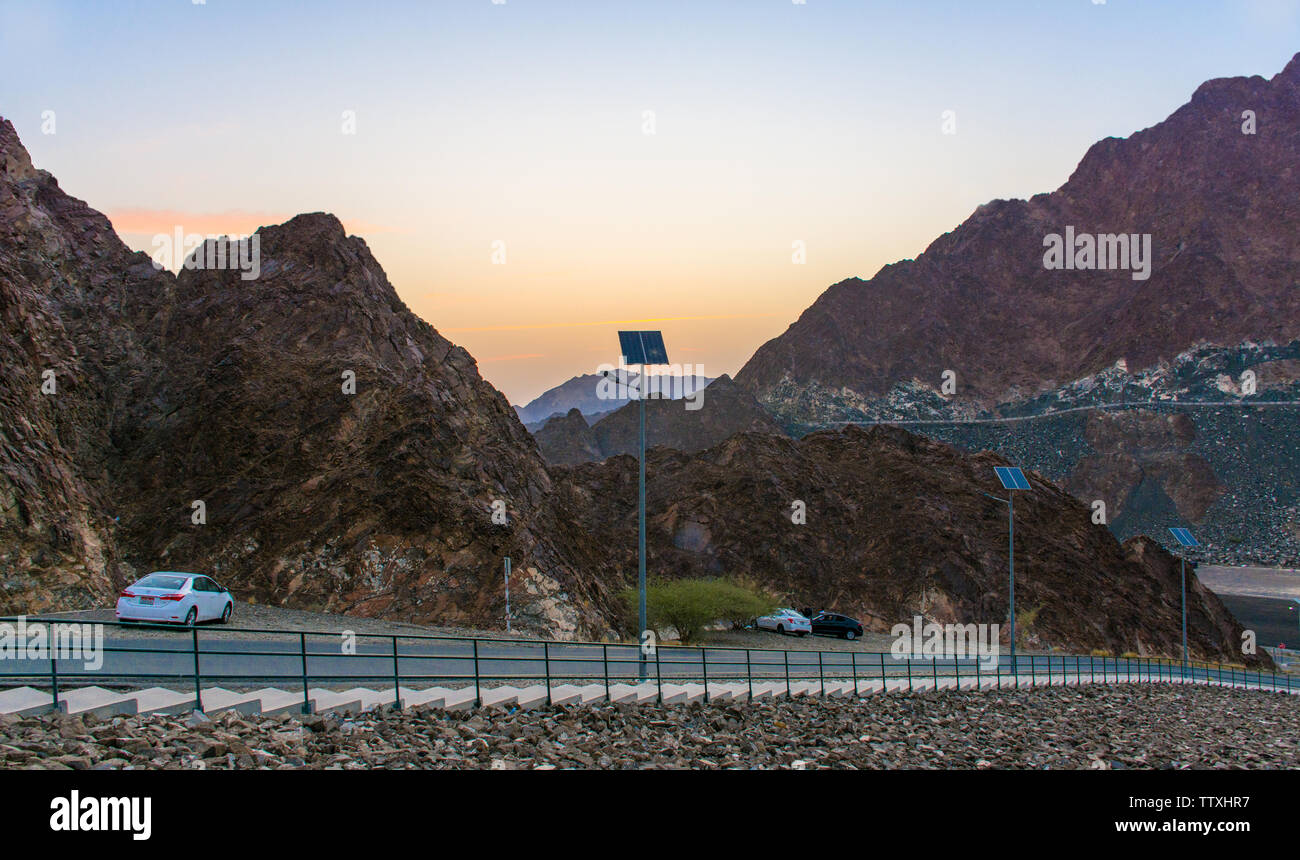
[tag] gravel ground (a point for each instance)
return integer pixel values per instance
(1099, 728)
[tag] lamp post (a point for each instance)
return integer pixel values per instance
(1012, 479)
(643, 348)
(1185, 539)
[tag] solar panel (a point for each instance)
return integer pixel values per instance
(1012, 478)
(1184, 537)
(643, 347)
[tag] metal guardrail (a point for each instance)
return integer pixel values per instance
(197, 655)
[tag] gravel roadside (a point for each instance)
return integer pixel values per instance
(1100, 728)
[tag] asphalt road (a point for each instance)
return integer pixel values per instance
(279, 660)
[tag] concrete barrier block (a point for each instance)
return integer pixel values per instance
(25, 701)
(566, 694)
(160, 700)
(97, 701)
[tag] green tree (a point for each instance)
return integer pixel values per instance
(690, 605)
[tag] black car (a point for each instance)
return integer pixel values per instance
(830, 624)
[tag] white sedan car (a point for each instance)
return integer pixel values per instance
(171, 596)
(785, 621)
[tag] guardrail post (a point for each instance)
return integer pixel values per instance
(604, 658)
(302, 656)
(854, 656)
(884, 684)
(934, 671)
(704, 670)
(54, 674)
(749, 673)
(978, 685)
(909, 674)
(659, 680)
(1049, 670)
(397, 679)
(198, 691)
(478, 687)
(821, 675)
(546, 656)
(789, 694)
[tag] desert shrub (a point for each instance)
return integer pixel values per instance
(690, 605)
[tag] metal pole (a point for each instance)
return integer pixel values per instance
(54, 676)
(704, 670)
(749, 673)
(546, 656)
(507, 594)
(302, 651)
(478, 688)
(397, 679)
(198, 693)
(1182, 563)
(640, 573)
(1011, 545)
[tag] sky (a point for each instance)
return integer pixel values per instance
(534, 175)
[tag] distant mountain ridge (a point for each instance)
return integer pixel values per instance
(724, 410)
(584, 393)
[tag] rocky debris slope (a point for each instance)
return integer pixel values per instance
(1180, 443)
(1119, 727)
(723, 410)
(897, 524)
(1219, 205)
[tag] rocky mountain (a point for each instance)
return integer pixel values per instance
(723, 410)
(302, 436)
(896, 524)
(584, 393)
(308, 440)
(1003, 304)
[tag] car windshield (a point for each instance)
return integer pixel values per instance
(156, 580)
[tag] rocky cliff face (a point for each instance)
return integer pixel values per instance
(72, 299)
(896, 524)
(345, 455)
(1219, 206)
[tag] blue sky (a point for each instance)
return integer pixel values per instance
(525, 123)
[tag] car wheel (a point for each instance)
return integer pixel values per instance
(191, 616)
(780, 628)
(850, 635)
(225, 613)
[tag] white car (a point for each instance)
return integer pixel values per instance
(785, 621)
(171, 596)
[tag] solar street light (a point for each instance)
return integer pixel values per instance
(642, 348)
(1184, 538)
(1012, 479)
